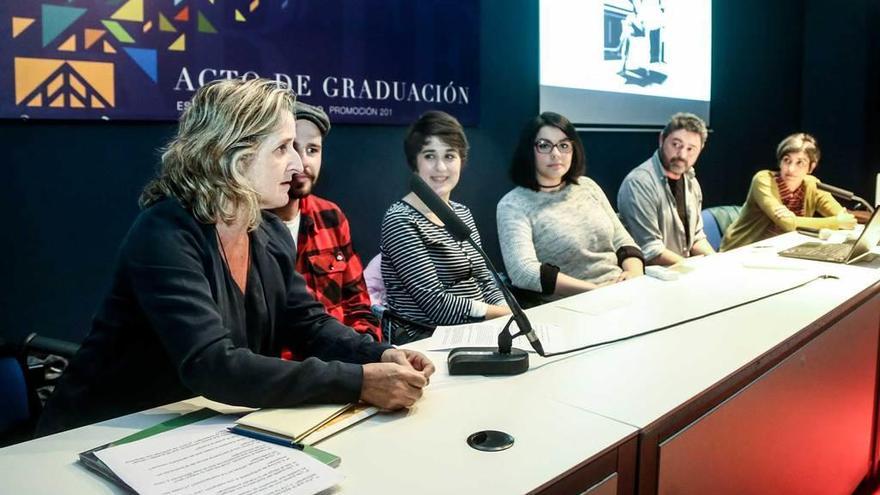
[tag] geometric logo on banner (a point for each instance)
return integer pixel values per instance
(239, 17)
(146, 60)
(183, 15)
(165, 25)
(69, 45)
(118, 31)
(179, 44)
(133, 10)
(254, 5)
(205, 25)
(56, 19)
(91, 36)
(148, 26)
(63, 83)
(19, 24)
(108, 48)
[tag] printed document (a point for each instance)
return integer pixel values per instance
(485, 334)
(205, 458)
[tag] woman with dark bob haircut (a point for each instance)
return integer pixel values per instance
(559, 235)
(430, 278)
(782, 201)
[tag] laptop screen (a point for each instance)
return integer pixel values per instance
(869, 238)
(877, 192)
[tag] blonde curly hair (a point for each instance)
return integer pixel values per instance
(203, 165)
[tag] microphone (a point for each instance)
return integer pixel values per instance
(459, 231)
(835, 191)
(478, 360)
(844, 194)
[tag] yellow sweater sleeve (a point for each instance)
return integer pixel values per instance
(768, 200)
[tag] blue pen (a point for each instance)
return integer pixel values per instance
(265, 436)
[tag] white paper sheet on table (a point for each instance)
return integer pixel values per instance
(598, 303)
(702, 294)
(553, 338)
(206, 458)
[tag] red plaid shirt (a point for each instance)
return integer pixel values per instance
(333, 271)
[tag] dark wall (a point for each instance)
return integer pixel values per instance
(835, 99)
(778, 67)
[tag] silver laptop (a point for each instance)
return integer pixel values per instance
(840, 253)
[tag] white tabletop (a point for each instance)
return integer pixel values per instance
(640, 380)
(423, 450)
(561, 412)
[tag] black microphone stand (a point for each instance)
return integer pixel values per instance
(844, 194)
(506, 360)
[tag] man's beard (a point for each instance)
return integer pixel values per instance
(301, 186)
(675, 165)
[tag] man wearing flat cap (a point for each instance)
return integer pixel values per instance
(324, 253)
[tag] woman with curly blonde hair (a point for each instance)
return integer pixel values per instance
(205, 294)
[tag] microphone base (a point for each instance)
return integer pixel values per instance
(486, 361)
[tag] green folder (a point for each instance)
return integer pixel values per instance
(93, 463)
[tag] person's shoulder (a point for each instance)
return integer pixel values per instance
(585, 183)
(399, 207)
(319, 204)
(274, 227)
(516, 194)
(518, 203)
(642, 177)
(165, 216)
(762, 177)
(398, 212)
(326, 213)
(642, 171)
(459, 207)
(518, 198)
(811, 180)
(461, 211)
(163, 226)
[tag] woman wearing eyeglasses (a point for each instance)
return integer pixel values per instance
(559, 235)
(781, 201)
(430, 278)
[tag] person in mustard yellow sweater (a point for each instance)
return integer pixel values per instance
(780, 201)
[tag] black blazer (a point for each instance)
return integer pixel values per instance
(165, 333)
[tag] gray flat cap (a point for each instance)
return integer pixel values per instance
(314, 115)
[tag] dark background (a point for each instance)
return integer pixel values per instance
(778, 67)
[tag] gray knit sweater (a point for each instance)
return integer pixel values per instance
(574, 228)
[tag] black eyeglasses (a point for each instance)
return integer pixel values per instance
(546, 147)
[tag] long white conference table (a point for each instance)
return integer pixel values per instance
(775, 396)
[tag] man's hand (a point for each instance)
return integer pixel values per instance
(406, 357)
(397, 381)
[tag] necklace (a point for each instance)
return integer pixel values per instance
(551, 187)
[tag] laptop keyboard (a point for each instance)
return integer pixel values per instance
(830, 251)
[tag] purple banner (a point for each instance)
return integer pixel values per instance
(363, 61)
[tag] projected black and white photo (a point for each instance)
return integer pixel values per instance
(625, 62)
(633, 33)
